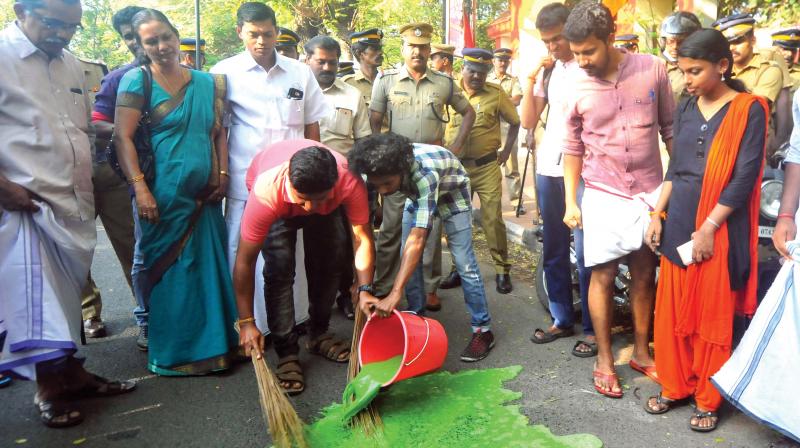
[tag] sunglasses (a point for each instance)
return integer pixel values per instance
(55, 24)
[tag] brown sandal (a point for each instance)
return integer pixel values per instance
(290, 371)
(327, 346)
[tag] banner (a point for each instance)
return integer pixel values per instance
(459, 26)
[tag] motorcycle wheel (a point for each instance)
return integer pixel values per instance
(544, 297)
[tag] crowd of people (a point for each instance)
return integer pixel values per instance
(198, 175)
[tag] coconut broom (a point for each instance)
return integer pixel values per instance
(283, 423)
(368, 420)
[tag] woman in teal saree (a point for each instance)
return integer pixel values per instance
(192, 306)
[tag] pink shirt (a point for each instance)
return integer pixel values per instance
(615, 125)
(270, 191)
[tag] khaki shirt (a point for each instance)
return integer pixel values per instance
(762, 76)
(94, 73)
(349, 119)
(491, 104)
(510, 84)
(362, 83)
(45, 126)
(677, 82)
(417, 109)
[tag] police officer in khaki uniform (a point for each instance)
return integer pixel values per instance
(480, 156)
(674, 29)
(512, 87)
(630, 42)
(763, 72)
(787, 42)
(442, 59)
(367, 49)
(189, 52)
(415, 99)
(286, 43)
(346, 69)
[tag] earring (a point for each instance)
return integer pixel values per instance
(722, 77)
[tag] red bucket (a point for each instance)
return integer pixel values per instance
(421, 341)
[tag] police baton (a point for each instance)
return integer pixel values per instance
(524, 173)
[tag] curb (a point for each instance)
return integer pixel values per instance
(524, 236)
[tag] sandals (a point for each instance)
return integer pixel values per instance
(327, 346)
(589, 354)
(662, 400)
(105, 388)
(610, 378)
(548, 337)
(55, 414)
(699, 415)
(650, 371)
(289, 370)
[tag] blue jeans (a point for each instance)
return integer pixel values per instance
(458, 229)
(141, 285)
(555, 255)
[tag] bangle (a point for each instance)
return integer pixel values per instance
(713, 223)
(246, 320)
(661, 214)
(224, 173)
(786, 215)
(138, 178)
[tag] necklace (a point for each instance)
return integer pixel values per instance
(168, 84)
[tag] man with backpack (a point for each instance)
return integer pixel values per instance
(547, 89)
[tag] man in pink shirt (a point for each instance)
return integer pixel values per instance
(300, 184)
(619, 107)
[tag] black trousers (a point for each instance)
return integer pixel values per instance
(323, 240)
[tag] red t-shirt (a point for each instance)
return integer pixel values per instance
(270, 191)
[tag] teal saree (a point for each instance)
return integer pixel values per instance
(192, 305)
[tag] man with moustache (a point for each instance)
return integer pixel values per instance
(550, 88)
(47, 216)
(287, 42)
(674, 29)
(415, 99)
(485, 152)
(367, 49)
(111, 194)
(271, 98)
(347, 122)
(619, 106)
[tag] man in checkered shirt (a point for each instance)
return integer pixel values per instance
(436, 184)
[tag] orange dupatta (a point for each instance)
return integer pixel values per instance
(710, 303)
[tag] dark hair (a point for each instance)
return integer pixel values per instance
(124, 17)
(551, 16)
(325, 42)
(358, 48)
(710, 45)
(589, 18)
(149, 15)
(447, 56)
(255, 12)
(382, 155)
(313, 170)
(40, 3)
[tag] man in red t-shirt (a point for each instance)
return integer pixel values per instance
(300, 184)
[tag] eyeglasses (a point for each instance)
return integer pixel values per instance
(55, 24)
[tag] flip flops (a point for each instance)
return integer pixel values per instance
(589, 354)
(650, 371)
(609, 378)
(548, 337)
(103, 388)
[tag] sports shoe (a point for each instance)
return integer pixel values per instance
(479, 347)
(141, 341)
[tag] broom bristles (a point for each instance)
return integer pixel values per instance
(282, 420)
(368, 419)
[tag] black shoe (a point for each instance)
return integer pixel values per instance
(453, 280)
(94, 328)
(141, 341)
(503, 282)
(479, 347)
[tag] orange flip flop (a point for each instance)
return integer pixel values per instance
(610, 378)
(650, 371)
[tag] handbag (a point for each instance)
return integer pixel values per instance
(141, 139)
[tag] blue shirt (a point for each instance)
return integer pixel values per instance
(106, 99)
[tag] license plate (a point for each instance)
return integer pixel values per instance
(765, 232)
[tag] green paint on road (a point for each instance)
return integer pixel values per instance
(463, 409)
(362, 389)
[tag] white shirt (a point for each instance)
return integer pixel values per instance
(348, 120)
(548, 151)
(264, 109)
(47, 136)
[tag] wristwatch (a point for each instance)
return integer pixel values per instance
(365, 288)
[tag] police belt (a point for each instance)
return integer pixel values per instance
(480, 161)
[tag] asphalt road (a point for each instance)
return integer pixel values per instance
(223, 410)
